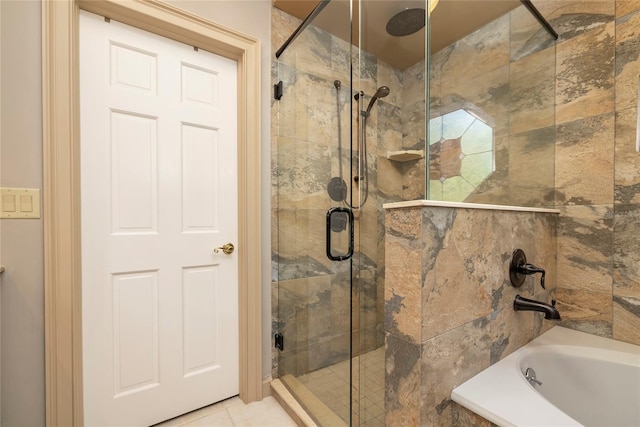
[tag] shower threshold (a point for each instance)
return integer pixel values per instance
(316, 393)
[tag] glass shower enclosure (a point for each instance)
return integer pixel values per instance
(363, 116)
(338, 96)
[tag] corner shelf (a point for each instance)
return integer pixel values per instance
(405, 155)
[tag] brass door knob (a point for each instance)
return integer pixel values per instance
(227, 248)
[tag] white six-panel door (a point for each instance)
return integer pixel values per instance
(159, 193)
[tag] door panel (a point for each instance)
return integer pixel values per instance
(159, 193)
(200, 186)
(200, 292)
(135, 321)
(134, 174)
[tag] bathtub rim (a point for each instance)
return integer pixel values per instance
(501, 405)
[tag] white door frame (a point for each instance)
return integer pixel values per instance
(61, 164)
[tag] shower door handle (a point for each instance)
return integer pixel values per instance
(339, 220)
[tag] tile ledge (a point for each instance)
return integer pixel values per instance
(461, 205)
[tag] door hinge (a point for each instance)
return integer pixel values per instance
(279, 338)
(278, 90)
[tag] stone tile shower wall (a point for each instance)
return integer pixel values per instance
(597, 182)
(598, 164)
(310, 293)
(503, 75)
(448, 302)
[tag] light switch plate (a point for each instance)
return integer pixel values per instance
(19, 203)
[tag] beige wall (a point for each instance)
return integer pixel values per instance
(22, 311)
(22, 369)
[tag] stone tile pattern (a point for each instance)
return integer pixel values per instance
(597, 164)
(312, 296)
(503, 73)
(448, 302)
(596, 170)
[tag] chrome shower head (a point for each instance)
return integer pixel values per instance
(380, 93)
(406, 22)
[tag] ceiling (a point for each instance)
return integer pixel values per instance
(451, 20)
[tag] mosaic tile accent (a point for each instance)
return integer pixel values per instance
(331, 386)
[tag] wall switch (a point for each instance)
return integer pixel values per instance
(20, 203)
(8, 203)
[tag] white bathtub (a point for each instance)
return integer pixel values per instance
(586, 381)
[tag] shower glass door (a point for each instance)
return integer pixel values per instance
(312, 199)
(350, 136)
(390, 75)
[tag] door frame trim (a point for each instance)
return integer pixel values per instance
(61, 195)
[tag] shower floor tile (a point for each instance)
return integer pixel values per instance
(331, 386)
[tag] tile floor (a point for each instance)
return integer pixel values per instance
(234, 413)
(331, 386)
